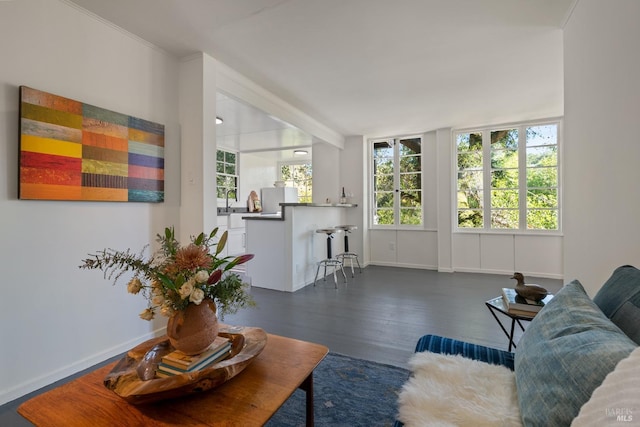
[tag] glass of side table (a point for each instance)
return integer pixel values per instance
(497, 305)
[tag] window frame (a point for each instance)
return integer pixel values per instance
(396, 183)
(295, 163)
(235, 177)
(522, 177)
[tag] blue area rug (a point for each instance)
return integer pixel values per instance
(347, 392)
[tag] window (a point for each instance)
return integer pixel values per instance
(397, 181)
(300, 177)
(226, 173)
(507, 178)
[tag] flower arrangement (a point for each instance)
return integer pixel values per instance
(176, 276)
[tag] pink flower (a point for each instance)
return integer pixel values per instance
(215, 277)
(242, 259)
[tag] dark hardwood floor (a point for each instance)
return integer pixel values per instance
(378, 315)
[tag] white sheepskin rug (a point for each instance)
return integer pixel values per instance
(447, 390)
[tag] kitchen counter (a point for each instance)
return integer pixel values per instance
(287, 248)
(232, 210)
(281, 215)
(322, 205)
(265, 216)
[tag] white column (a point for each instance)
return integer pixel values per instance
(445, 204)
(198, 145)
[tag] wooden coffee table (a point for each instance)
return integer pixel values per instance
(251, 398)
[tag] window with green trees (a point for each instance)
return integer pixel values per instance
(507, 178)
(298, 176)
(226, 174)
(397, 181)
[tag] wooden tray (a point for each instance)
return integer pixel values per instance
(134, 376)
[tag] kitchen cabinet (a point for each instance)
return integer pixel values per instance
(237, 234)
(236, 241)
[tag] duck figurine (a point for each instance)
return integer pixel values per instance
(531, 292)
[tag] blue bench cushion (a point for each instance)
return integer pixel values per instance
(619, 300)
(437, 344)
(567, 351)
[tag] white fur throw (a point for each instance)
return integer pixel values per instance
(446, 390)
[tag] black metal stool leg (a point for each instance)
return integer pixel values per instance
(329, 261)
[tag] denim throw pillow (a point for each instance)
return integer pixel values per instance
(565, 354)
(619, 300)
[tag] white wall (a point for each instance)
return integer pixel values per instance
(353, 161)
(326, 173)
(256, 171)
(56, 318)
(602, 147)
(532, 255)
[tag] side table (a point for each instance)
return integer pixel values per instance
(497, 305)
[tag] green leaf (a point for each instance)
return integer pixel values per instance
(198, 241)
(166, 281)
(213, 233)
(222, 242)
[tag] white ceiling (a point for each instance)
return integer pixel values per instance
(373, 67)
(249, 130)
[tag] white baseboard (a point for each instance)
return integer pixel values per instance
(467, 270)
(505, 272)
(405, 265)
(73, 368)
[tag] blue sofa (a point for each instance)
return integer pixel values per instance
(567, 350)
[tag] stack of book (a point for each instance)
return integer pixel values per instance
(518, 305)
(178, 363)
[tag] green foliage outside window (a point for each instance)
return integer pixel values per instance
(299, 176)
(504, 179)
(542, 177)
(397, 181)
(539, 186)
(470, 180)
(226, 174)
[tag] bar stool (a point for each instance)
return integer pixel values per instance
(329, 261)
(346, 254)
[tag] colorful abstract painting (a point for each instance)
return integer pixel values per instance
(74, 151)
